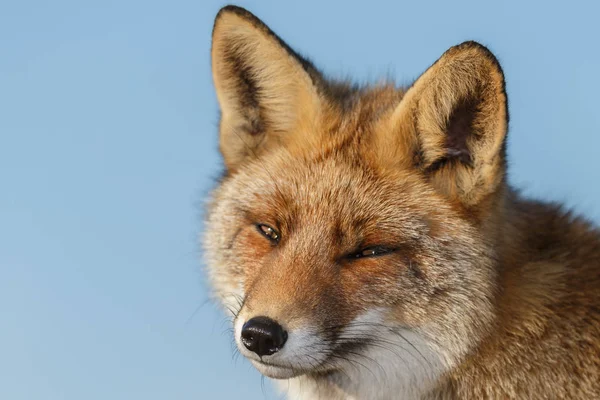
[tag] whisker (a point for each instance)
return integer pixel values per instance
(204, 303)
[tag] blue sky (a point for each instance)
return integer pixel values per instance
(108, 148)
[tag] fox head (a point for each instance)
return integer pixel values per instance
(354, 223)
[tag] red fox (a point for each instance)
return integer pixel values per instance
(368, 245)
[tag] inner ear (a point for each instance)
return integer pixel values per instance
(247, 91)
(454, 119)
(459, 130)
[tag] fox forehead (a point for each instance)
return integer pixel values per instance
(339, 192)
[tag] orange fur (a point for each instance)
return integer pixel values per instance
(502, 294)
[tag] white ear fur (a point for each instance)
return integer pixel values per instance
(456, 113)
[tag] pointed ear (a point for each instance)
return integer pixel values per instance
(263, 87)
(454, 121)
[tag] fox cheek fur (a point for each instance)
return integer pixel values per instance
(367, 244)
(309, 275)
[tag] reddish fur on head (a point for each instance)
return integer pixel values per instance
(416, 173)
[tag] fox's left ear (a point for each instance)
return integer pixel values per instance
(265, 90)
(455, 120)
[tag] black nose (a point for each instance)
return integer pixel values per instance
(263, 336)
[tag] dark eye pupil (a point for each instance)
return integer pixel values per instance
(269, 232)
(371, 252)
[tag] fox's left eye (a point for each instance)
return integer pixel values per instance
(370, 252)
(268, 232)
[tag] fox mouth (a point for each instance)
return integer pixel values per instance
(302, 364)
(327, 362)
(279, 371)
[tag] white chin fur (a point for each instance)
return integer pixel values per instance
(275, 372)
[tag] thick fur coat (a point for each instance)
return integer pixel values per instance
(375, 229)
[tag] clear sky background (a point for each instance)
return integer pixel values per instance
(108, 148)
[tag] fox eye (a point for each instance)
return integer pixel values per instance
(268, 232)
(370, 252)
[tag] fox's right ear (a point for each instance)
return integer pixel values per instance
(263, 87)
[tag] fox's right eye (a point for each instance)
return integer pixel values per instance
(268, 232)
